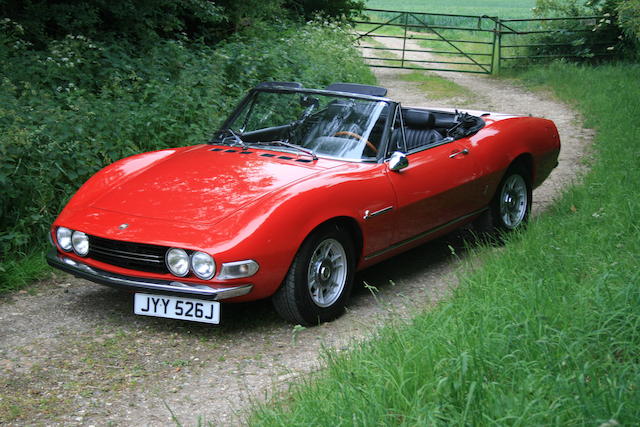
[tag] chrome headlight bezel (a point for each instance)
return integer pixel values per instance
(174, 255)
(80, 243)
(238, 269)
(63, 238)
(200, 259)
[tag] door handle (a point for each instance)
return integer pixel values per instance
(465, 152)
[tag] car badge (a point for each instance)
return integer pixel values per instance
(123, 226)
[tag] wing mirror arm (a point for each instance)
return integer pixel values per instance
(398, 161)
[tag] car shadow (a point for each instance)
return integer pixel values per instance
(407, 265)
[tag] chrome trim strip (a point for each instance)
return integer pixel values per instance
(103, 277)
(368, 215)
(423, 234)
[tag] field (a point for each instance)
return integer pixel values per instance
(501, 8)
(544, 333)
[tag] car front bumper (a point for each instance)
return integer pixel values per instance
(138, 284)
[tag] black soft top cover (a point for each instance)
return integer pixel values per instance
(358, 88)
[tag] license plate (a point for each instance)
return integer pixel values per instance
(173, 307)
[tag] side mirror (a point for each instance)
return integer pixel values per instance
(398, 161)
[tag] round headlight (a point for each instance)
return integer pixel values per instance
(63, 236)
(202, 265)
(177, 262)
(80, 243)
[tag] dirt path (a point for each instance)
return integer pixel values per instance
(72, 353)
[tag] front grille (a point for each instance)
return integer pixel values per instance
(135, 256)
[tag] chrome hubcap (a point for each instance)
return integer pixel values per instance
(324, 273)
(513, 201)
(327, 273)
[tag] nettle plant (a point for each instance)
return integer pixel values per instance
(75, 57)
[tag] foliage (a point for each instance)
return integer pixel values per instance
(137, 21)
(545, 332)
(80, 104)
(144, 22)
(629, 19)
(342, 9)
(618, 18)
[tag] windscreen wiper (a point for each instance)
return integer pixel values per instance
(236, 138)
(294, 146)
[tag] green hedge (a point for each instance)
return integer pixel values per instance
(78, 105)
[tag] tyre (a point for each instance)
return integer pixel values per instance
(319, 280)
(511, 205)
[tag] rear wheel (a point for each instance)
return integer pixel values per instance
(511, 205)
(319, 280)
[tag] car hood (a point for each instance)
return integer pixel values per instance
(206, 184)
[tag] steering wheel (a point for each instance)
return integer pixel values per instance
(355, 135)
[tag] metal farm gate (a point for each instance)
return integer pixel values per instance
(471, 44)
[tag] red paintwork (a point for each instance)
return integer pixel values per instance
(244, 206)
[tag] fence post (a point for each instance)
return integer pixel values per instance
(497, 47)
(404, 40)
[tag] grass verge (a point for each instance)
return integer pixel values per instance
(435, 86)
(22, 270)
(545, 332)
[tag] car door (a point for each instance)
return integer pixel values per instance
(438, 187)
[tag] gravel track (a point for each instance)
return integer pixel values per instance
(72, 353)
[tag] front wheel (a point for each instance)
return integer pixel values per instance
(511, 205)
(319, 280)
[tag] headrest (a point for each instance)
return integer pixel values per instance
(418, 119)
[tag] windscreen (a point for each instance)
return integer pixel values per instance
(331, 126)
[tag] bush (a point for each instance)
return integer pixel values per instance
(136, 21)
(615, 33)
(144, 22)
(70, 109)
(629, 19)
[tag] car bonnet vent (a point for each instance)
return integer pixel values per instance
(358, 88)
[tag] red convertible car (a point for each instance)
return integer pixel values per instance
(298, 190)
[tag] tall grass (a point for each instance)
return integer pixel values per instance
(546, 332)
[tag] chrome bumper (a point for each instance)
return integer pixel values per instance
(84, 271)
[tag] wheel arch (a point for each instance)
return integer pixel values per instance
(526, 161)
(351, 226)
(294, 299)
